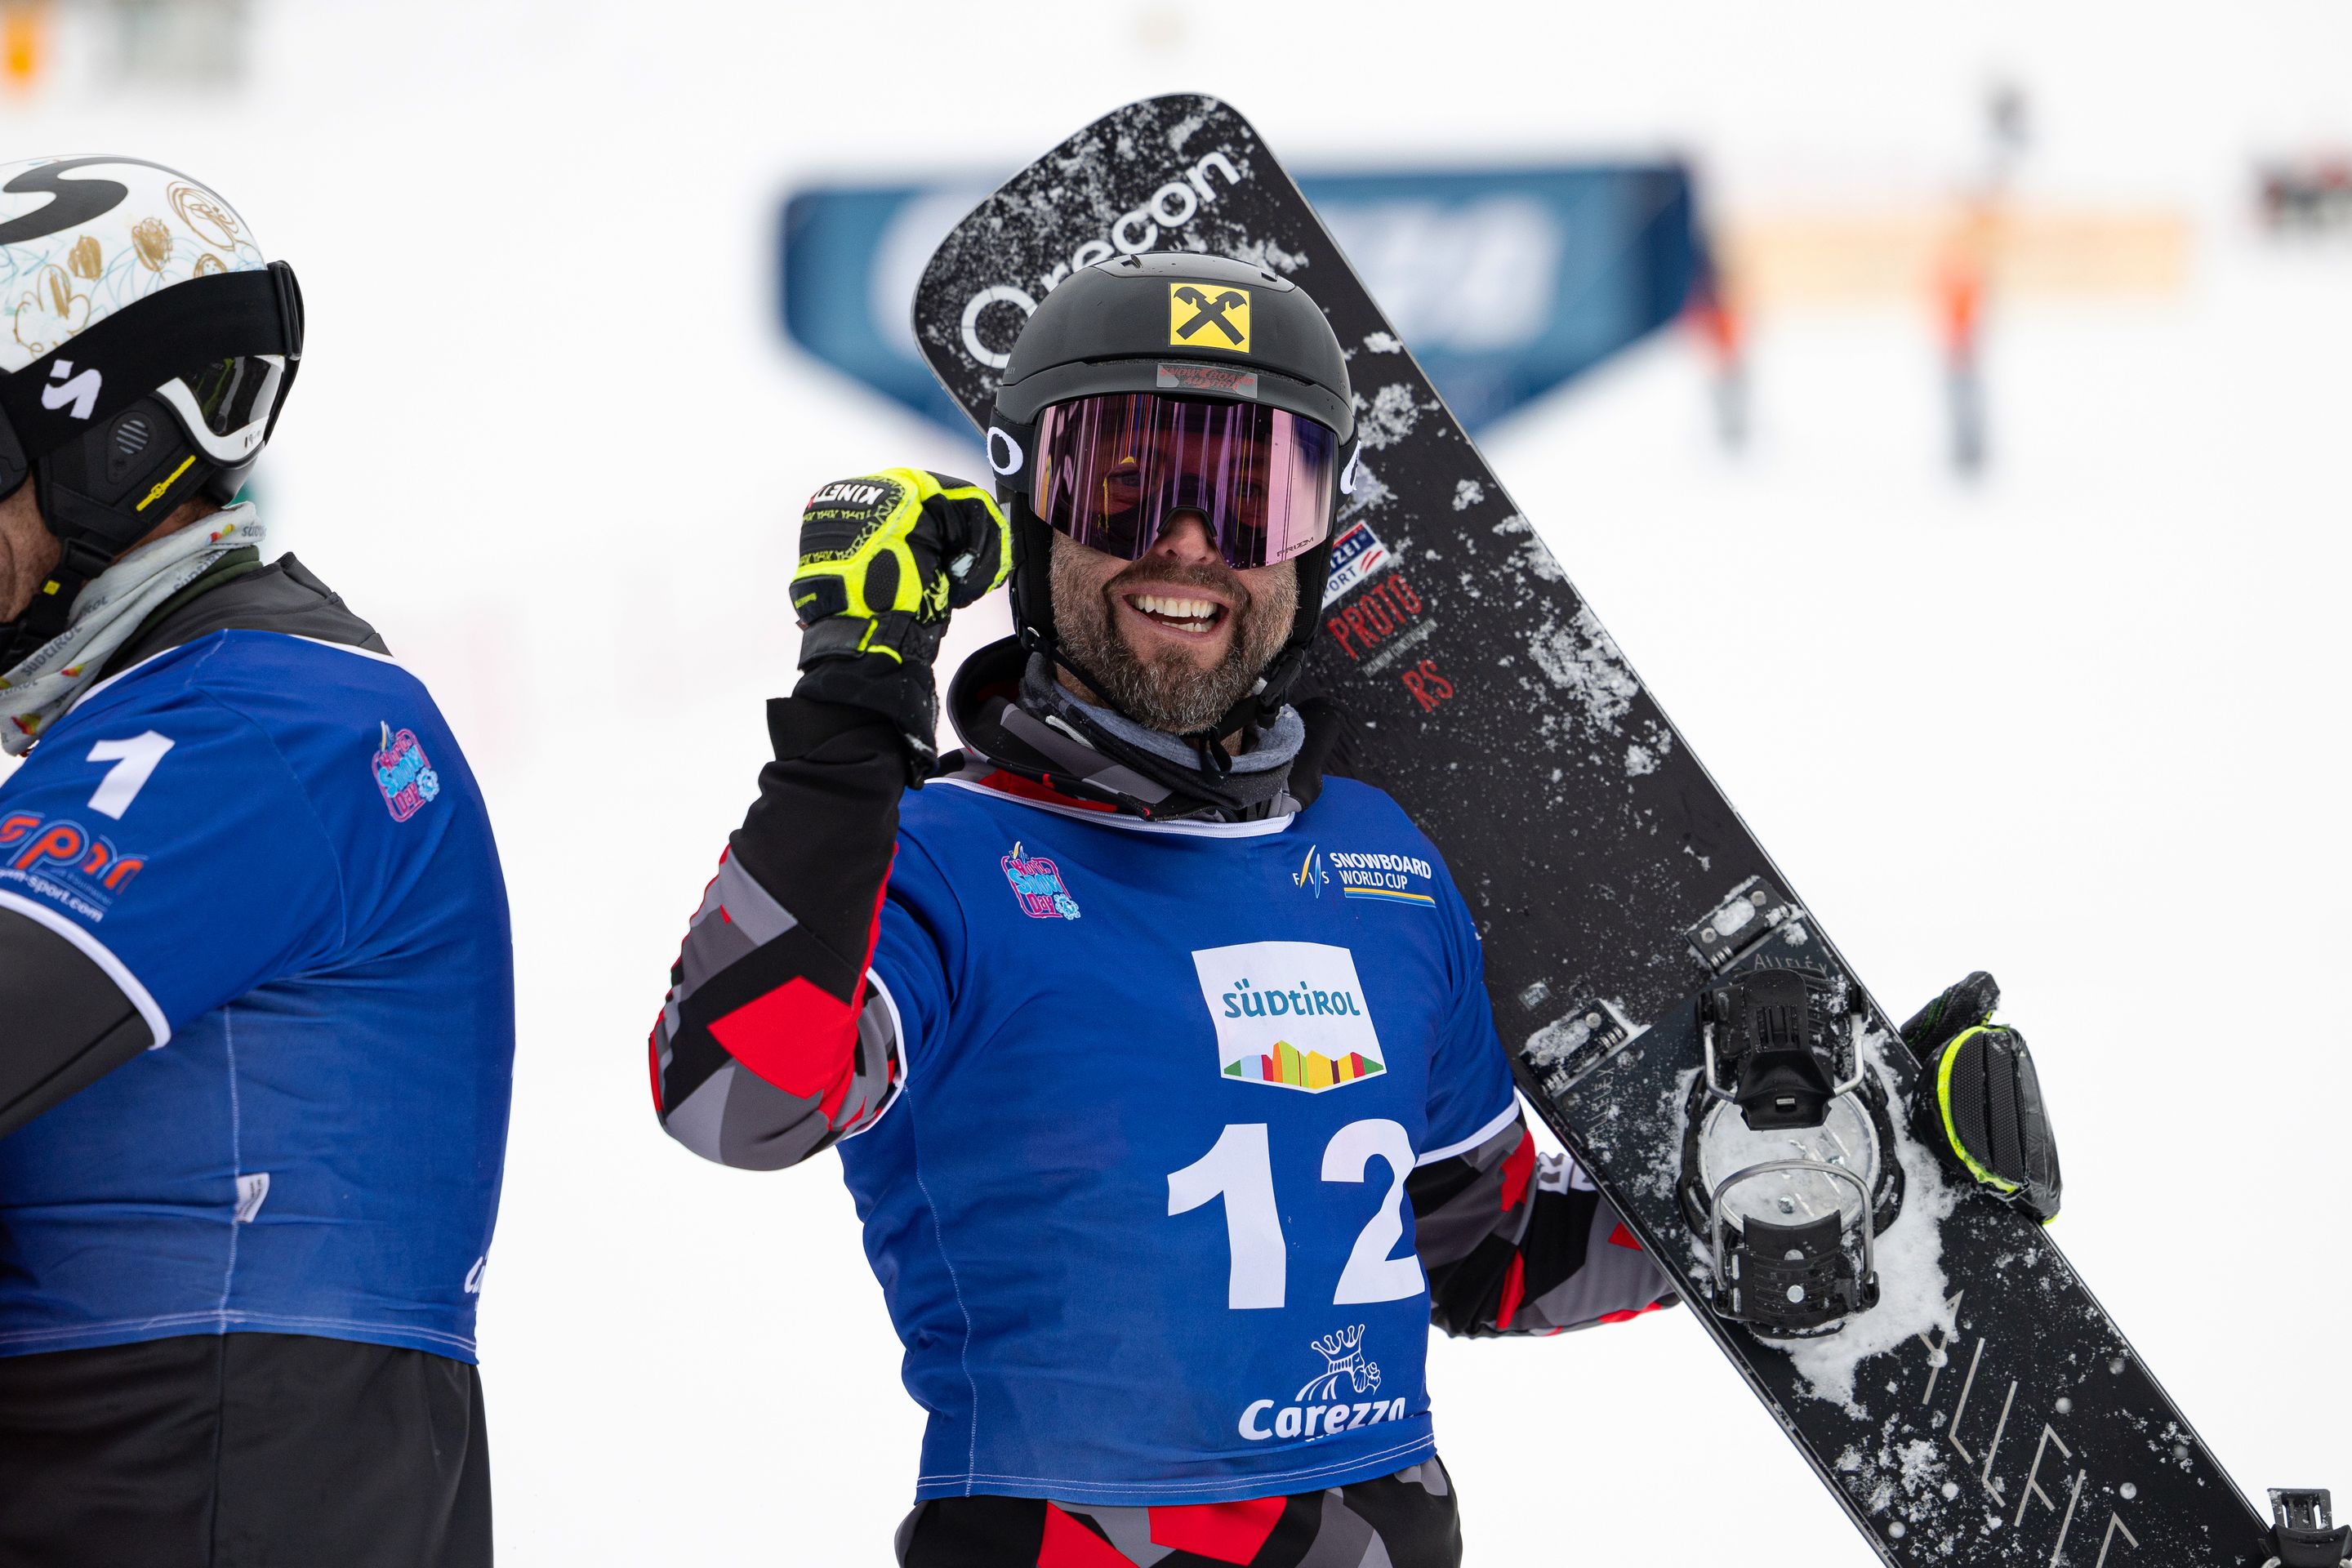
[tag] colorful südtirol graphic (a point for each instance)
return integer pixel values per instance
(1289, 1015)
(1285, 1064)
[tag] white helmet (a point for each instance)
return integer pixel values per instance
(149, 348)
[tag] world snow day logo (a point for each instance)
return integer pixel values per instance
(1038, 883)
(1289, 1014)
(403, 773)
(1323, 1406)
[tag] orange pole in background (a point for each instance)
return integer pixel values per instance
(1959, 286)
(24, 33)
(1712, 311)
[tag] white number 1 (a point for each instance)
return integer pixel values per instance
(135, 762)
(1240, 1168)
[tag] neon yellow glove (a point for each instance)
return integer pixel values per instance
(885, 559)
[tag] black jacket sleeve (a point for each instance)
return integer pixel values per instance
(64, 1025)
(770, 1046)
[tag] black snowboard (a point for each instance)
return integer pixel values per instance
(1985, 1411)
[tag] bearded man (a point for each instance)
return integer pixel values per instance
(1168, 1145)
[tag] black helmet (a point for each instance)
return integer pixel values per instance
(1169, 323)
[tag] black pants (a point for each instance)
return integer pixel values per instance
(243, 1451)
(1411, 1515)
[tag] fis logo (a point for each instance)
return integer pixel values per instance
(1323, 1406)
(1038, 883)
(1310, 877)
(1289, 1015)
(1208, 316)
(65, 863)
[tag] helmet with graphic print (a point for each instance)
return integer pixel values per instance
(1169, 382)
(147, 350)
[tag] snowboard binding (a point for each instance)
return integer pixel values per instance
(2305, 1534)
(1789, 1165)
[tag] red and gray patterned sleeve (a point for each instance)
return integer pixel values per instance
(772, 1045)
(1514, 1242)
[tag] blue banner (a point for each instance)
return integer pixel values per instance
(1505, 283)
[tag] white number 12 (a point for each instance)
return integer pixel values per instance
(1239, 1168)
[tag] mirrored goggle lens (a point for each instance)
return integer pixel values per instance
(234, 393)
(1113, 471)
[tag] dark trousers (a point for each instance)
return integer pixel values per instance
(1406, 1520)
(243, 1451)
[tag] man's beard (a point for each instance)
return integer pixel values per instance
(1169, 691)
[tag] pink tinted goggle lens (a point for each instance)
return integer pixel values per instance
(1113, 471)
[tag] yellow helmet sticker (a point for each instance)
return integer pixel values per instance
(1208, 315)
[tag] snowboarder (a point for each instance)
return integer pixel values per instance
(256, 988)
(1159, 1056)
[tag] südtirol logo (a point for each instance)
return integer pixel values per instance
(1038, 883)
(1208, 316)
(1289, 1014)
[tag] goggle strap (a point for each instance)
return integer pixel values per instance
(82, 382)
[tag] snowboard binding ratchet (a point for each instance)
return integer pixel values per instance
(2305, 1533)
(1788, 1170)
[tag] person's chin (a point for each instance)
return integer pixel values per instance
(1172, 648)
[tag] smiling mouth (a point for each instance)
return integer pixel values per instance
(1187, 613)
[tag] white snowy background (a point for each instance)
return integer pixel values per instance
(2082, 723)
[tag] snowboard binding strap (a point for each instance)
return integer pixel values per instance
(2305, 1534)
(1791, 1279)
(1772, 1031)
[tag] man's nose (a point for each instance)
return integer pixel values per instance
(1185, 539)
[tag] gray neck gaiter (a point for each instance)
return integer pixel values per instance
(1256, 781)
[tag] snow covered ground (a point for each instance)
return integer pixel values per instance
(2082, 724)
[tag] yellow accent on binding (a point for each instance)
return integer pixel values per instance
(1943, 1106)
(157, 494)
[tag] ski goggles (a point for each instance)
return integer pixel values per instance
(1113, 471)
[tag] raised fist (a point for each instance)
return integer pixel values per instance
(885, 558)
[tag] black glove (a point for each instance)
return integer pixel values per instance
(1979, 1099)
(883, 558)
